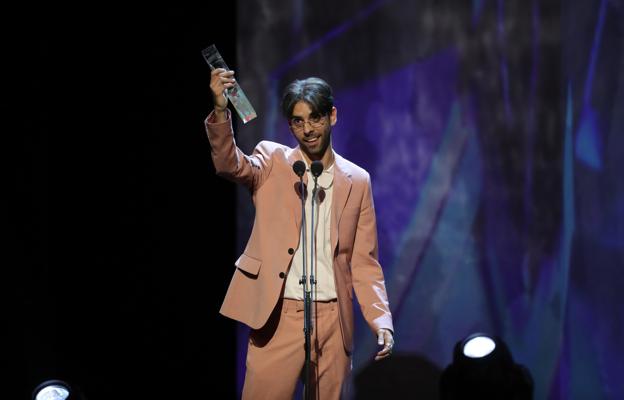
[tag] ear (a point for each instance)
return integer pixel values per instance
(333, 116)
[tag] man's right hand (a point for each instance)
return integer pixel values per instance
(220, 79)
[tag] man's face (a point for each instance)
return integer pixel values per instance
(312, 131)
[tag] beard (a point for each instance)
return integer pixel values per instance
(316, 149)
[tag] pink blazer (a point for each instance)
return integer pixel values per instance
(262, 268)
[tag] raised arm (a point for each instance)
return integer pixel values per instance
(230, 162)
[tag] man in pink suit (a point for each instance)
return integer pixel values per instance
(265, 292)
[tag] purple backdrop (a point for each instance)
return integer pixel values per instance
(491, 134)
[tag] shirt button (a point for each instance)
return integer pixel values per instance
(291, 251)
(282, 275)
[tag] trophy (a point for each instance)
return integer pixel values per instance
(235, 94)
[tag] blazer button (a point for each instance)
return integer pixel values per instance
(282, 275)
(291, 251)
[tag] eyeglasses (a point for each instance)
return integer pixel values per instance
(316, 121)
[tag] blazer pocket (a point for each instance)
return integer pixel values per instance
(248, 264)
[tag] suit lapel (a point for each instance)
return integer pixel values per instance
(342, 188)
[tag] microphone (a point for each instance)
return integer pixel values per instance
(299, 168)
(316, 168)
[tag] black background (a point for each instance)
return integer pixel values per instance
(125, 238)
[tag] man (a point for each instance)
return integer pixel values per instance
(265, 292)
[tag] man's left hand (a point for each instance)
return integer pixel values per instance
(385, 339)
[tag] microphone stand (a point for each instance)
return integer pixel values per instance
(316, 169)
(308, 293)
(307, 320)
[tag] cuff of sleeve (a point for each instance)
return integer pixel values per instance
(383, 322)
(212, 118)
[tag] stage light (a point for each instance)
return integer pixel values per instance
(476, 346)
(52, 390)
(483, 368)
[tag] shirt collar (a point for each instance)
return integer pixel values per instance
(326, 178)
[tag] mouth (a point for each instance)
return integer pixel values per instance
(312, 140)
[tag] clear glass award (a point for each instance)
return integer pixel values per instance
(235, 94)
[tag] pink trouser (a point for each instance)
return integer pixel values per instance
(276, 354)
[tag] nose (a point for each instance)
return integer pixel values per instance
(307, 127)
